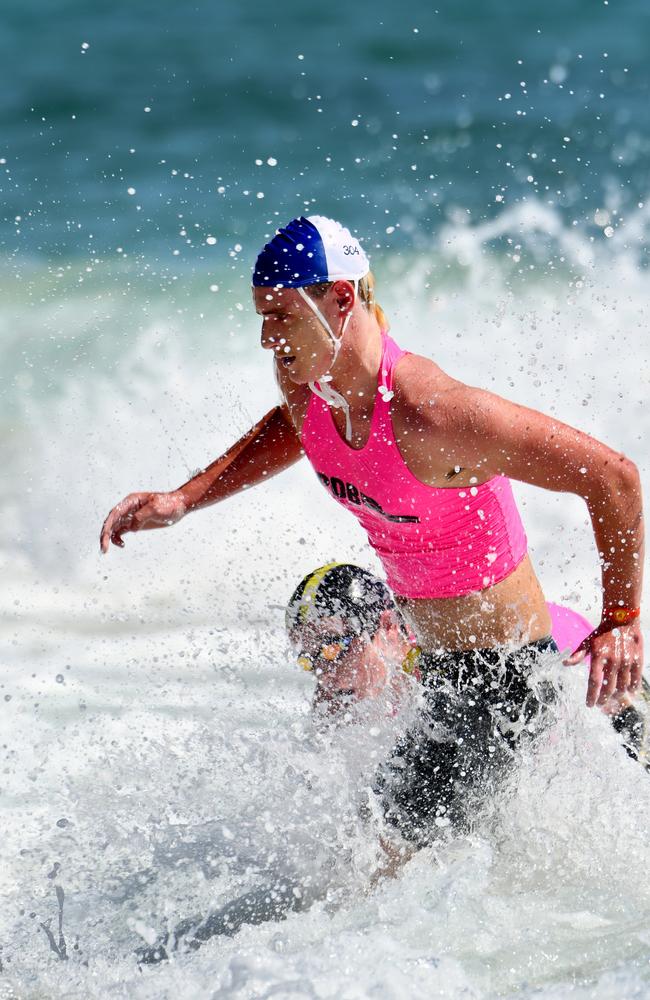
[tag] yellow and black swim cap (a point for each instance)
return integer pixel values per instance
(339, 589)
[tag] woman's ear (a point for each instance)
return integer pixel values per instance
(344, 293)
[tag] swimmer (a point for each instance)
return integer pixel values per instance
(346, 629)
(424, 462)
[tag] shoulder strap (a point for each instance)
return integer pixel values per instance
(390, 355)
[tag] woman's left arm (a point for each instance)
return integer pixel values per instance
(499, 437)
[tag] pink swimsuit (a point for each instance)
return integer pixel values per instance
(432, 541)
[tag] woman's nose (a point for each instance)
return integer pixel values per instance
(267, 341)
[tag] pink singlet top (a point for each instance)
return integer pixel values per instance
(432, 541)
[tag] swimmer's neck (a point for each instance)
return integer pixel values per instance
(355, 372)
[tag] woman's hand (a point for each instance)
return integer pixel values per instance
(616, 660)
(141, 511)
(269, 447)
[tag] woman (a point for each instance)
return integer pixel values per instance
(424, 462)
(449, 436)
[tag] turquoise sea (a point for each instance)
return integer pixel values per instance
(157, 753)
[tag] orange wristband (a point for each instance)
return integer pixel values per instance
(620, 616)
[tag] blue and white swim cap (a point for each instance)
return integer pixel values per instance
(310, 251)
(307, 252)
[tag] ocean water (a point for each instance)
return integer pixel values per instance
(159, 758)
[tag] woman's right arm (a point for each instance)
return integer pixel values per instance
(267, 448)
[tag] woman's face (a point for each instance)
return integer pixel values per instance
(360, 671)
(301, 346)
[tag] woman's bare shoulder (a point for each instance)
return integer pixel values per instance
(422, 387)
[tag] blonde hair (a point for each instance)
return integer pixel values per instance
(366, 291)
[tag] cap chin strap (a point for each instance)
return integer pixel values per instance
(320, 388)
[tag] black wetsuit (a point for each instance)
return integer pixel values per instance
(480, 704)
(633, 726)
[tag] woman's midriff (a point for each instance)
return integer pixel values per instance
(512, 612)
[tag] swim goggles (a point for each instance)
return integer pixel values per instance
(331, 648)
